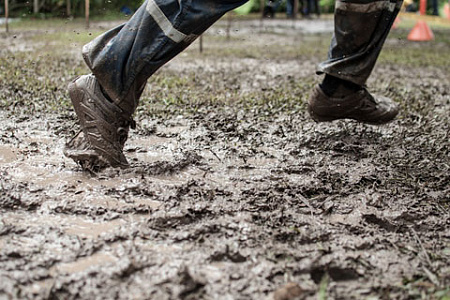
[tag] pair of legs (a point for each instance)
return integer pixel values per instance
(123, 58)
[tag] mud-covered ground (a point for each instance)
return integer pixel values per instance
(233, 192)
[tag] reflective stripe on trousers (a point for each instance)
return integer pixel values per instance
(360, 29)
(124, 57)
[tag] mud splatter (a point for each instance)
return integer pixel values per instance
(233, 193)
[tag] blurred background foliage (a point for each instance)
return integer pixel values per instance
(114, 8)
(69, 8)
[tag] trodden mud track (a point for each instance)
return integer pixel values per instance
(233, 193)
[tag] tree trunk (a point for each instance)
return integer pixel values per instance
(36, 6)
(87, 13)
(295, 9)
(6, 14)
(68, 9)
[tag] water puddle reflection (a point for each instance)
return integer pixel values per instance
(7, 155)
(96, 260)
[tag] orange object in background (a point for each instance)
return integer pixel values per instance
(447, 11)
(422, 7)
(421, 32)
(396, 23)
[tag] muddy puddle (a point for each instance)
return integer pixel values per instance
(233, 193)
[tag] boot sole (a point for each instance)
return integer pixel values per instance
(77, 96)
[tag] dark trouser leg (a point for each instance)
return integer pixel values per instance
(123, 58)
(361, 27)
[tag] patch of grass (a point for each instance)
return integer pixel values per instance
(323, 287)
(170, 94)
(404, 165)
(241, 46)
(422, 288)
(408, 20)
(401, 51)
(63, 38)
(36, 84)
(47, 24)
(45, 71)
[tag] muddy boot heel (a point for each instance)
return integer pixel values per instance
(104, 125)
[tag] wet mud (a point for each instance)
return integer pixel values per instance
(233, 191)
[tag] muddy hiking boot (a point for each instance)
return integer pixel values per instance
(104, 127)
(360, 106)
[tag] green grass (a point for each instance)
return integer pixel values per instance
(306, 47)
(47, 24)
(399, 50)
(36, 83)
(44, 73)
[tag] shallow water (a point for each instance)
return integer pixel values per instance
(227, 201)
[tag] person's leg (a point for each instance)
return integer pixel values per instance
(305, 9)
(124, 58)
(435, 5)
(361, 27)
(289, 8)
(317, 7)
(121, 61)
(310, 7)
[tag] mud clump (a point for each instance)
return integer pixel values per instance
(233, 192)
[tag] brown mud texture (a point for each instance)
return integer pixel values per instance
(233, 191)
